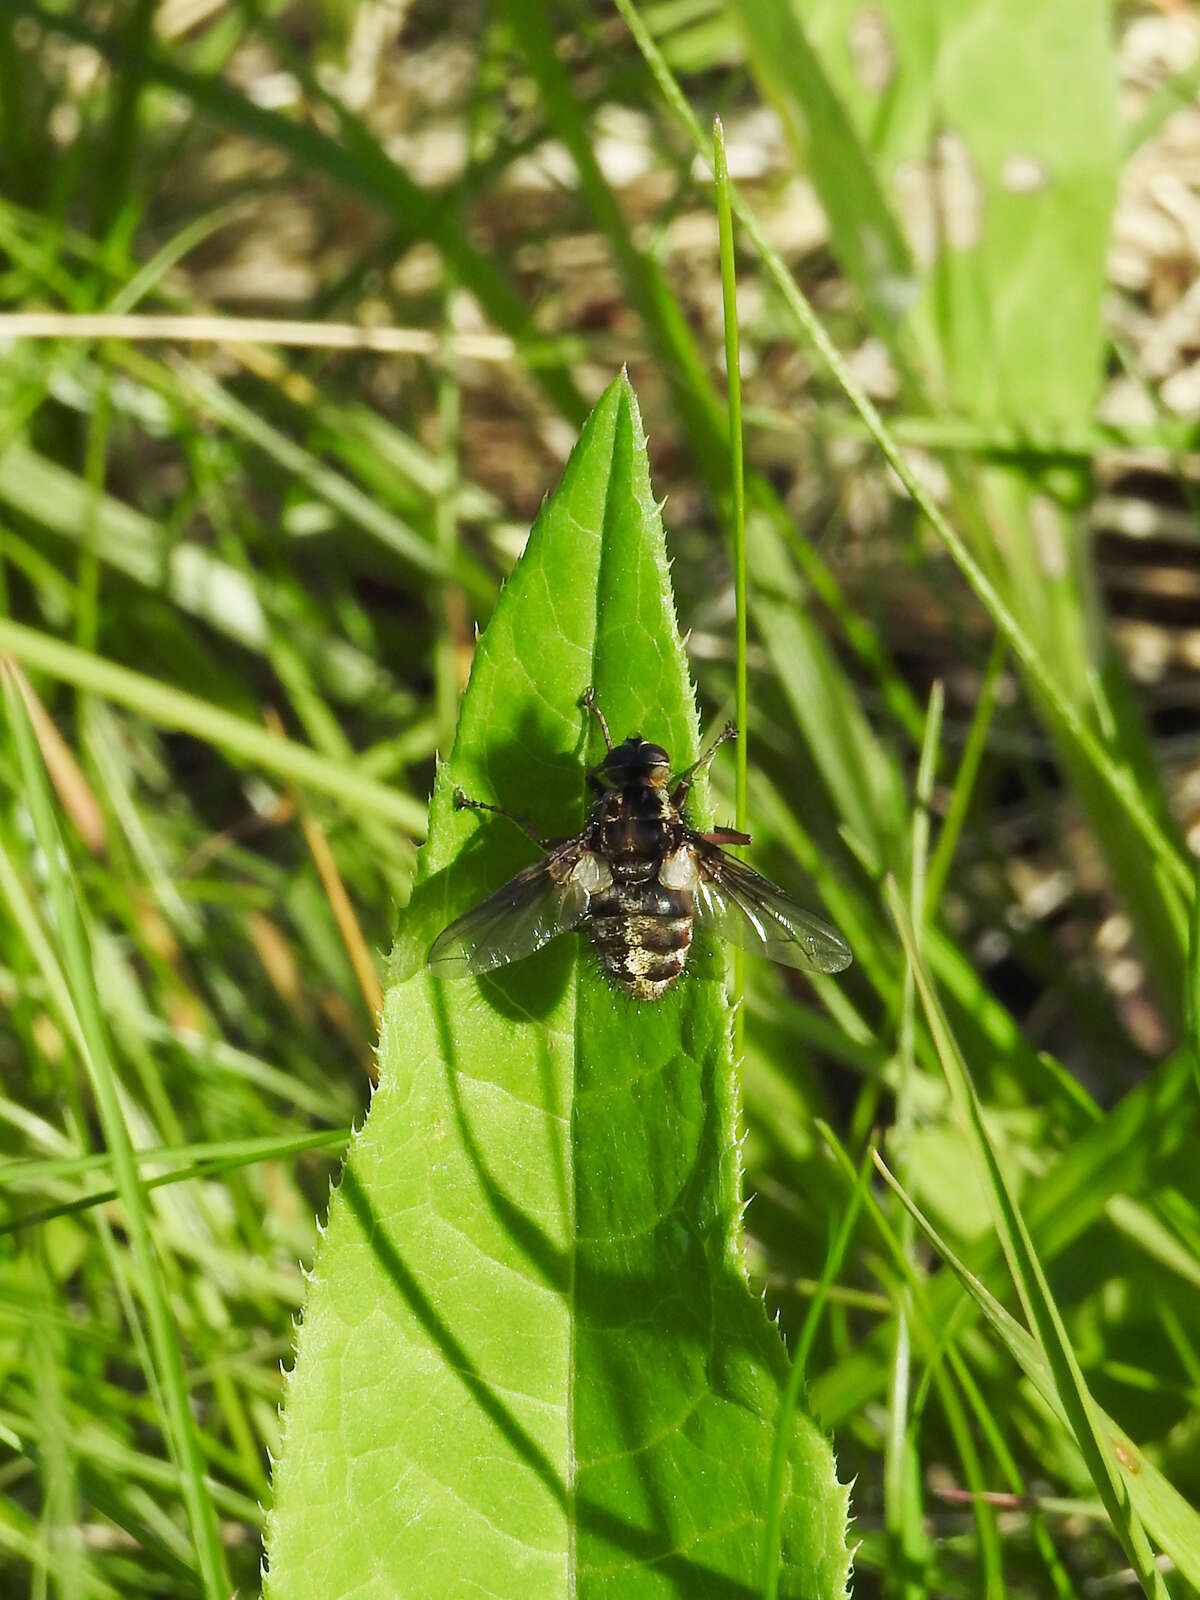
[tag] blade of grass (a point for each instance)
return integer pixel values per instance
(1174, 1523)
(1029, 1278)
(872, 247)
(131, 543)
(360, 165)
(455, 618)
(336, 490)
(737, 458)
(991, 1569)
(180, 1425)
(1176, 94)
(339, 901)
(1123, 1153)
(733, 369)
(251, 1152)
(343, 912)
(908, 1545)
(1073, 727)
(172, 708)
(1191, 1000)
(936, 1330)
(235, 1152)
(860, 635)
(645, 283)
(964, 780)
(115, 182)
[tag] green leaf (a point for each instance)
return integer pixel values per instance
(530, 1363)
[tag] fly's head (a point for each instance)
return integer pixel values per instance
(634, 764)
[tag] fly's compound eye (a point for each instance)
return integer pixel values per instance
(634, 761)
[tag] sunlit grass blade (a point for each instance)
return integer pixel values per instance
(1191, 1002)
(344, 496)
(1124, 1153)
(903, 1512)
(201, 1161)
(1173, 1523)
(733, 371)
(834, 1258)
(172, 708)
(1112, 774)
(180, 1425)
(1105, 1467)
(963, 788)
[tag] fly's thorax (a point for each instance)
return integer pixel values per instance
(633, 829)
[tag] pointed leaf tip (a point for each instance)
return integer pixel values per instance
(528, 1321)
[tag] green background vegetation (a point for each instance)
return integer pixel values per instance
(242, 577)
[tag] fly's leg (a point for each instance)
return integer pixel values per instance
(588, 701)
(685, 779)
(462, 803)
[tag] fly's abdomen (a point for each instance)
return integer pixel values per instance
(642, 931)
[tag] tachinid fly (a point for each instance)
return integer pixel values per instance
(636, 880)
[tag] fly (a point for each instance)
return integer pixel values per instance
(636, 880)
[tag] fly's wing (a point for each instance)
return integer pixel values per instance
(748, 910)
(519, 918)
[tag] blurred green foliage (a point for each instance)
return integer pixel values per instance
(205, 541)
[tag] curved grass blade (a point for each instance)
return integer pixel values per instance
(91, 1035)
(173, 708)
(1105, 1462)
(1166, 1514)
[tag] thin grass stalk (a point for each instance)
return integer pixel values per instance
(736, 457)
(232, 1152)
(901, 1491)
(964, 781)
(1029, 1279)
(1191, 1000)
(733, 369)
(987, 1535)
(938, 1334)
(1120, 784)
(181, 1428)
(446, 539)
(210, 1167)
(172, 708)
(1060, 1580)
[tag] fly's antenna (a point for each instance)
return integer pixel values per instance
(588, 701)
